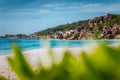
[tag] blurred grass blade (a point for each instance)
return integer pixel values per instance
(19, 64)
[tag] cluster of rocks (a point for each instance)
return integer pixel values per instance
(107, 31)
(60, 35)
(101, 19)
(110, 32)
(101, 32)
(84, 35)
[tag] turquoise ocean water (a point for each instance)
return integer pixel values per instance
(29, 44)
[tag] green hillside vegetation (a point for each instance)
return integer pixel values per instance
(62, 28)
(116, 20)
(102, 64)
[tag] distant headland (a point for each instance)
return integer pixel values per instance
(19, 36)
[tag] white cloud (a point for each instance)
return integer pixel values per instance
(101, 8)
(74, 7)
(44, 11)
(53, 5)
(92, 5)
(29, 11)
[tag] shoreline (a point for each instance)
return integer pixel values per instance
(60, 39)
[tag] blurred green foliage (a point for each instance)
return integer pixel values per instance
(102, 64)
(2, 78)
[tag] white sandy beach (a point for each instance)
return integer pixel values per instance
(35, 56)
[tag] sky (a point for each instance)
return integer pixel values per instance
(29, 16)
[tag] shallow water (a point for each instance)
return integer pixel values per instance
(29, 44)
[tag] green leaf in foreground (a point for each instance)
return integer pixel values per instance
(102, 64)
(20, 66)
